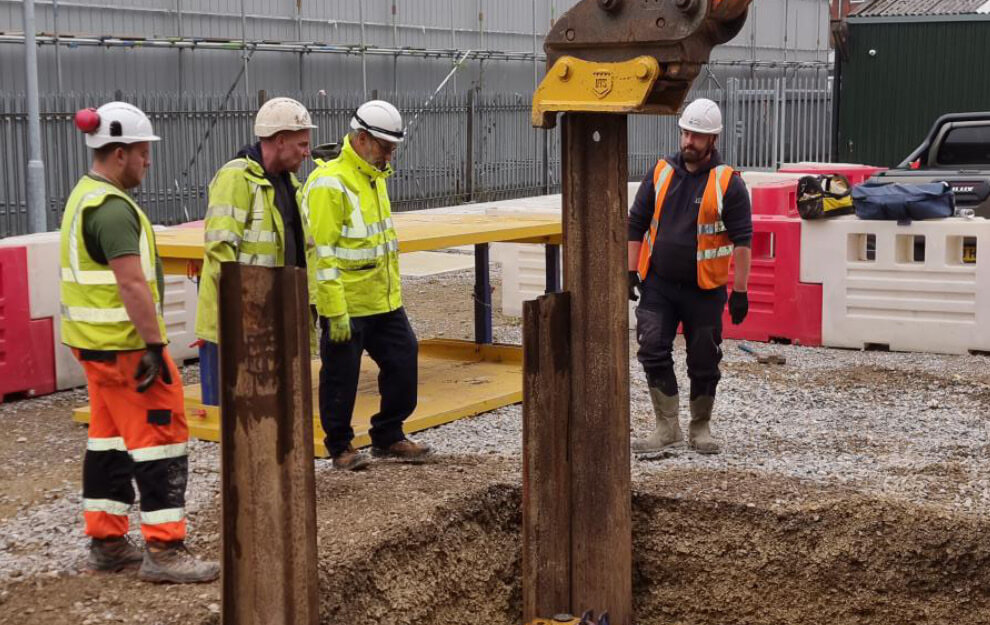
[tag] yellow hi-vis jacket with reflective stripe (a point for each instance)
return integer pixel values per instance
(357, 252)
(244, 225)
(714, 245)
(93, 314)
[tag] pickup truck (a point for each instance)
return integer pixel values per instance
(956, 150)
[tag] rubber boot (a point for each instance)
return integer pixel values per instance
(668, 432)
(699, 436)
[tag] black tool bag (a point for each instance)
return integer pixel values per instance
(824, 196)
(904, 203)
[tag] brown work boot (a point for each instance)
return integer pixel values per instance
(172, 562)
(113, 554)
(668, 431)
(699, 436)
(350, 460)
(402, 450)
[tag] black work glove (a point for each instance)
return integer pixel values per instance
(151, 365)
(634, 283)
(738, 306)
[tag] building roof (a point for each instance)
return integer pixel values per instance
(891, 8)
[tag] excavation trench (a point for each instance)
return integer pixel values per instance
(828, 559)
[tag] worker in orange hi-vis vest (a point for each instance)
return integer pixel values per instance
(111, 293)
(690, 219)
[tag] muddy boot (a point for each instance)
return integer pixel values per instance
(402, 450)
(350, 460)
(668, 432)
(113, 554)
(699, 436)
(172, 562)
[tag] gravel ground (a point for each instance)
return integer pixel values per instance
(908, 428)
(904, 425)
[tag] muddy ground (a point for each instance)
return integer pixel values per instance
(439, 542)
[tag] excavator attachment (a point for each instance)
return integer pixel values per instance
(630, 56)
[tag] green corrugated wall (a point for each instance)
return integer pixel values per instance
(920, 71)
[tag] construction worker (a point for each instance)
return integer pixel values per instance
(359, 291)
(111, 290)
(690, 218)
(254, 215)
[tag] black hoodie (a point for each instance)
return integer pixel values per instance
(288, 208)
(675, 253)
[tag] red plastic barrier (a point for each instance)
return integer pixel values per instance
(775, 198)
(855, 173)
(27, 355)
(781, 307)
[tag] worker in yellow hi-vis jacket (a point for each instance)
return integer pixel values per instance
(358, 292)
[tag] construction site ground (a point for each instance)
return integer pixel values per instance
(853, 488)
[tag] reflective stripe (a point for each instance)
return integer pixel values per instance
(109, 506)
(168, 515)
(161, 452)
(228, 236)
(259, 236)
(330, 182)
(651, 234)
(718, 186)
(715, 228)
(115, 443)
(149, 270)
(239, 163)
(324, 275)
(325, 251)
(718, 252)
(349, 232)
(95, 315)
(88, 277)
(261, 260)
(226, 211)
(370, 253)
(256, 214)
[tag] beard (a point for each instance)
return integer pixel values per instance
(693, 156)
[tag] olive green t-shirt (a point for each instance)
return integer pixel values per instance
(112, 230)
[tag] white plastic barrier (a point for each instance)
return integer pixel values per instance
(905, 287)
(43, 281)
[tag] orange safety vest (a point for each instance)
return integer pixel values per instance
(714, 245)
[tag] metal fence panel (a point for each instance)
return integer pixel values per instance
(462, 146)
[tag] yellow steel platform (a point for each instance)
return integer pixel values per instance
(181, 249)
(456, 379)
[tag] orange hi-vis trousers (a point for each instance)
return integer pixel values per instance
(139, 436)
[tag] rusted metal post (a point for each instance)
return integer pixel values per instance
(546, 559)
(595, 174)
(269, 510)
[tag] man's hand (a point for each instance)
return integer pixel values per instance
(340, 328)
(151, 365)
(738, 306)
(634, 283)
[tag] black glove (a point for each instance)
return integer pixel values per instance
(151, 365)
(634, 283)
(738, 306)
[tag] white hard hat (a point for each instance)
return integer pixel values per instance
(280, 114)
(116, 122)
(381, 119)
(702, 116)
